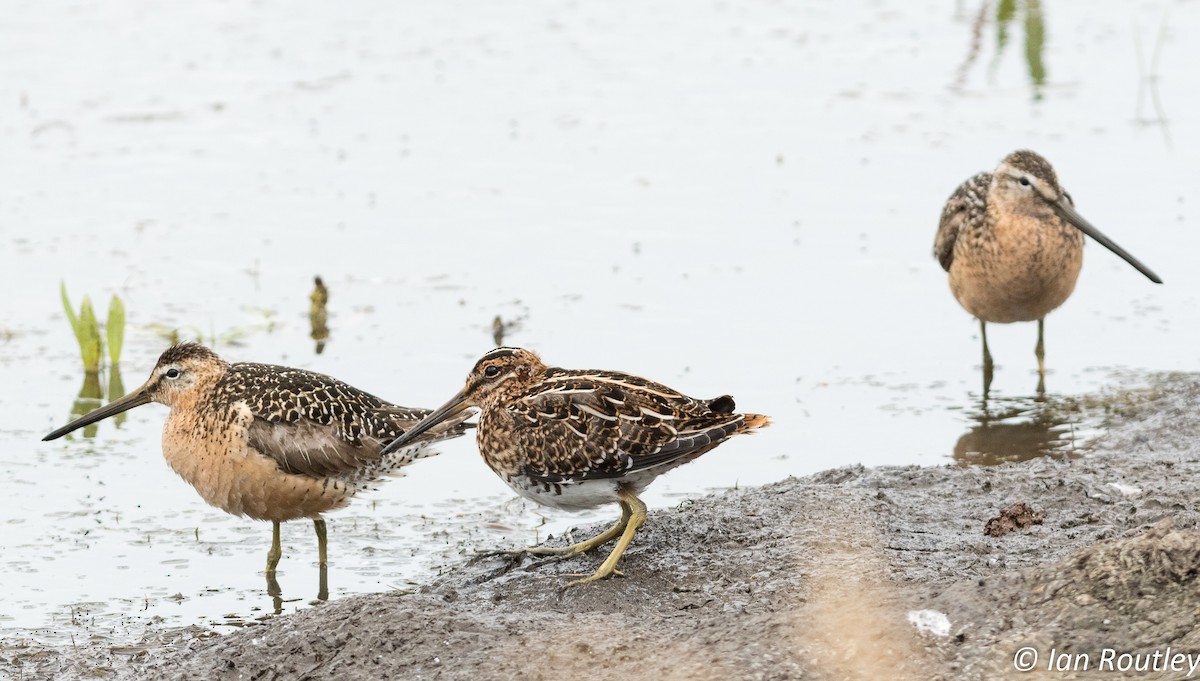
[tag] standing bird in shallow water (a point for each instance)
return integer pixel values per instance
(579, 439)
(1013, 245)
(270, 442)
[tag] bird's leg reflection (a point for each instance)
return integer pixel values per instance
(1011, 429)
(275, 592)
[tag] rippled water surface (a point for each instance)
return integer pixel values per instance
(726, 197)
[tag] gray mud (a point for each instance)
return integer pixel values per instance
(806, 578)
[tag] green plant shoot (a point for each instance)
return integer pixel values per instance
(114, 329)
(87, 331)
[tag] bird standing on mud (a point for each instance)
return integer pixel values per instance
(1013, 246)
(577, 439)
(270, 442)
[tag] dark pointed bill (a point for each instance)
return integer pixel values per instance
(456, 405)
(134, 399)
(1068, 213)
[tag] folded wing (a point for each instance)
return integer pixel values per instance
(316, 425)
(966, 206)
(608, 424)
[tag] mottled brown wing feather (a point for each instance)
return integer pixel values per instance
(601, 424)
(316, 425)
(305, 448)
(966, 206)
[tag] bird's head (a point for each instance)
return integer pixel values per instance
(1025, 184)
(178, 375)
(500, 374)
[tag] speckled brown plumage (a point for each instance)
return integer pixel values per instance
(270, 442)
(1009, 260)
(576, 439)
(356, 424)
(1012, 244)
(572, 426)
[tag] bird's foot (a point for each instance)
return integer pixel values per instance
(555, 558)
(596, 576)
(557, 552)
(501, 553)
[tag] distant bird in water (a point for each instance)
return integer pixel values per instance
(577, 439)
(270, 442)
(1013, 245)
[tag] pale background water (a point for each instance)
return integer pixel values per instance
(729, 197)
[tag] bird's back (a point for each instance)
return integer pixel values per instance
(317, 425)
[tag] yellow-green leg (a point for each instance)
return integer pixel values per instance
(322, 553)
(987, 359)
(276, 551)
(323, 583)
(322, 546)
(1040, 351)
(637, 516)
(565, 552)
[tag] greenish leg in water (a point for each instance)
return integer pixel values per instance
(322, 549)
(987, 359)
(323, 584)
(319, 526)
(276, 551)
(1040, 351)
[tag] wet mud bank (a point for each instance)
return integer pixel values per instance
(815, 578)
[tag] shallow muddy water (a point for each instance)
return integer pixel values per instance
(726, 197)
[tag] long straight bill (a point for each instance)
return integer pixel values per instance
(134, 399)
(456, 405)
(1068, 213)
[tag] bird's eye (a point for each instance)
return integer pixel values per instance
(172, 373)
(492, 371)
(1024, 181)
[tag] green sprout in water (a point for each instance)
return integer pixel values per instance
(86, 327)
(87, 331)
(114, 329)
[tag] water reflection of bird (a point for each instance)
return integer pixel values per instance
(270, 442)
(1016, 429)
(1013, 246)
(580, 439)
